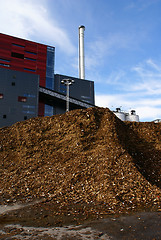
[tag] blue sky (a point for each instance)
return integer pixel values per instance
(122, 45)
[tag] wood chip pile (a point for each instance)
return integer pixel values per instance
(84, 157)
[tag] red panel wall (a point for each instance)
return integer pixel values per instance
(25, 56)
(33, 56)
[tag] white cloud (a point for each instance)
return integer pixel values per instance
(143, 93)
(147, 109)
(154, 66)
(115, 78)
(141, 5)
(148, 113)
(30, 19)
(104, 47)
(99, 51)
(148, 76)
(146, 4)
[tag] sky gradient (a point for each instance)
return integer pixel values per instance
(122, 45)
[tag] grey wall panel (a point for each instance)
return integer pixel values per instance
(13, 86)
(81, 89)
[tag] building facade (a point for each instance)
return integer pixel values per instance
(81, 95)
(30, 66)
(19, 94)
(30, 57)
(80, 89)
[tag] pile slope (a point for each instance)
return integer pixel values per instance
(82, 162)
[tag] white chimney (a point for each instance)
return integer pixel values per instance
(81, 53)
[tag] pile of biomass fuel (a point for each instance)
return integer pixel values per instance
(84, 162)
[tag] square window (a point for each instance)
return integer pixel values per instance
(22, 99)
(4, 116)
(17, 55)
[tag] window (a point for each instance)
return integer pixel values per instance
(29, 106)
(63, 88)
(1, 95)
(30, 52)
(17, 45)
(4, 64)
(49, 82)
(4, 116)
(13, 83)
(25, 117)
(48, 110)
(31, 59)
(29, 95)
(22, 99)
(4, 60)
(28, 112)
(50, 68)
(28, 69)
(50, 48)
(17, 55)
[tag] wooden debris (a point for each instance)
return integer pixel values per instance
(84, 159)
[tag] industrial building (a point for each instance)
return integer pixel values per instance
(157, 120)
(29, 86)
(123, 116)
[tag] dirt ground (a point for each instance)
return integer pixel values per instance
(82, 169)
(140, 226)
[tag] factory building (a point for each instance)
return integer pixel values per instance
(157, 121)
(81, 89)
(131, 116)
(29, 86)
(30, 57)
(81, 95)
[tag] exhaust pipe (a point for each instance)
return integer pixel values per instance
(81, 53)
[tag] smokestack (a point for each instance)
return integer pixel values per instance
(81, 52)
